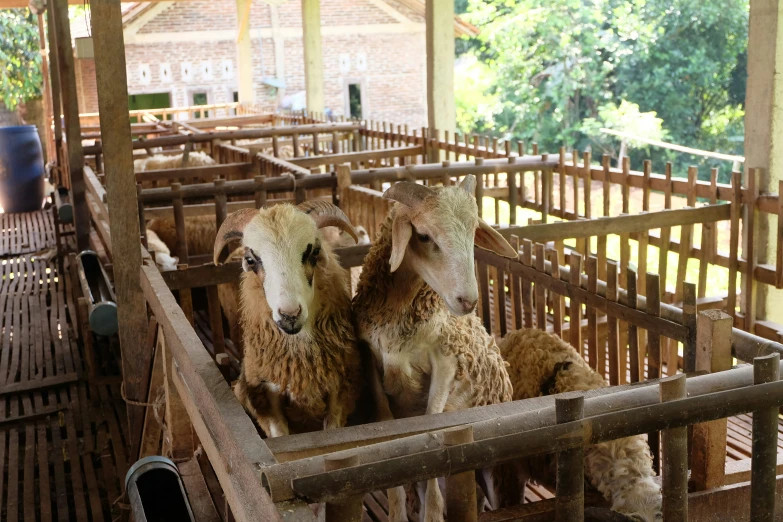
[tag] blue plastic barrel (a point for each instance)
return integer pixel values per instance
(21, 169)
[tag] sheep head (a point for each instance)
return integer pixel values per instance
(283, 249)
(435, 231)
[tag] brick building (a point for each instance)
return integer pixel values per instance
(184, 53)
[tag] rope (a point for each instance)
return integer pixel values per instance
(131, 401)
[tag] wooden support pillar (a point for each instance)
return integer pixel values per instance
(460, 487)
(349, 509)
(675, 455)
(314, 63)
(713, 354)
(570, 482)
(54, 80)
(73, 131)
(121, 193)
(441, 111)
(765, 445)
(764, 131)
(47, 95)
(244, 53)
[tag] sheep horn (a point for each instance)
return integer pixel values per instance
(468, 183)
(326, 214)
(232, 228)
(408, 193)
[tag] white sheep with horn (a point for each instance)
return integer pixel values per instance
(302, 368)
(414, 306)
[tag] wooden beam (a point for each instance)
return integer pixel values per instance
(229, 437)
(620, 224)
(121, 194)
(313, 58)
(244, 53)
(355, 157)
(73, 133)
(168, 141)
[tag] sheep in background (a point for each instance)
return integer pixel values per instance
(341, 239)
(543, 364)
(302, 366)
(161, 252)
(199, 233)
(414, 307)
(159, 162)
(284, 151)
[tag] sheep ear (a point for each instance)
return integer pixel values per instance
(401, 234)
(490, 239)
(468, 184)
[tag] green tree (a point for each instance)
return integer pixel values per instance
(692, 71)
(20, 58)
(557, 63)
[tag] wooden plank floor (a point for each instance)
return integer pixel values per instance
(63, 443)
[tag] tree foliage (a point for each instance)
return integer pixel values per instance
(561, 67)
(20, 58)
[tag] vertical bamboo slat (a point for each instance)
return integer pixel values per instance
(575, 312)
(557, 301)
(616, 356)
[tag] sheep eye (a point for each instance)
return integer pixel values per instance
(424, 238)
(250, 261)
(316, 252)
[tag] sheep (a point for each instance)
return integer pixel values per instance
(161, 251)
(414, 307)
(341, 239)
(302, 365)
(283, 151)
(543, 364)
(199, 233)
(159, 162)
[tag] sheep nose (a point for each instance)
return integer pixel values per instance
(289, 315)
(467, 304)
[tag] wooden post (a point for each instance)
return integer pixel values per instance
(460, 487)
(689, 320)
(244, 54)
(575, 313)
(617, 364)
(636, 364)
(178, 442)
(121, 192)
(764, 131)
(313, 66)
(73, 132)
(349, 509)
(50, 153)
(713, 354)
(675, 455)
(441, 111)
(765, 445)
(570, 482)
(54, 76)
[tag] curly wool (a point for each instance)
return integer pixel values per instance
(160, 162)
(543, 364)
(200, 232)
(309, 366)
(478, 359)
